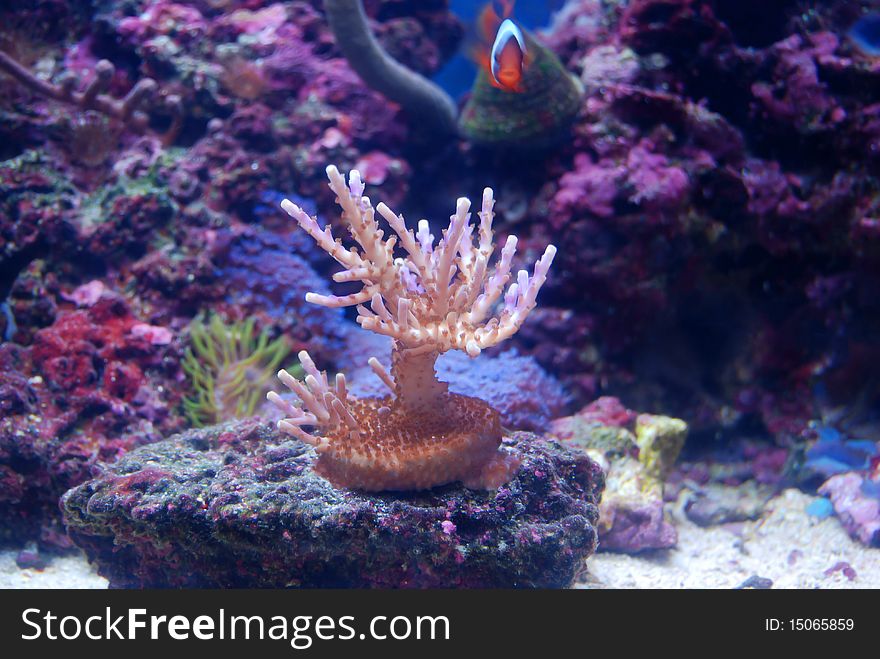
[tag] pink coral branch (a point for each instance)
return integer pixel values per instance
(439, 296)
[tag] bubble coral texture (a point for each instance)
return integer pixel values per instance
(436, 299)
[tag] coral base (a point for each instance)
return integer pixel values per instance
(407, 450)
(239, 505)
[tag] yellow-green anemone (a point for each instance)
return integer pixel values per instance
(230, 369)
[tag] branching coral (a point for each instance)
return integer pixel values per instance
(128, 110)
(229, 368)
(434, 299)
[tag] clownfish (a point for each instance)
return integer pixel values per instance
(508, 57)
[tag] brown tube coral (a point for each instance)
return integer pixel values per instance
(418, 96)
(128, 110)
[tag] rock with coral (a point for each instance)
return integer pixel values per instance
(856, 500)
(716, 221)
(68, 401)
(439, 298)
(715, 203)
(107, 192)
(240, 505)
(526, 396)
(638, 452)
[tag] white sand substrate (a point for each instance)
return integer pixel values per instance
(786, 545)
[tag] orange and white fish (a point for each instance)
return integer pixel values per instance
(508, 57)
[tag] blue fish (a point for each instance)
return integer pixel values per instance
(836, 454)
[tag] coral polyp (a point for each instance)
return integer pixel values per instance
(243, 79)
(230, 369)
(90, 137)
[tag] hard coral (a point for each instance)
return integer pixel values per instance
(434, 300)
(526, 396)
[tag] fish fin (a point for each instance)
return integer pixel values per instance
(505, 8)
(488, 22)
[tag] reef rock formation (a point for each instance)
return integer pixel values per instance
(89, 383)
(240, 505)
(856, 500)
(637, 451)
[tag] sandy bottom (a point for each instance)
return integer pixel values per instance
(786, 545)
(71, 571)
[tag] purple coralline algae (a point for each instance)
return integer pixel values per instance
(67, 401)
(856, 501)
(238, 505)
(717, 206)
(851, 468)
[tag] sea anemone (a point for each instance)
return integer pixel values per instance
(229, 369)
